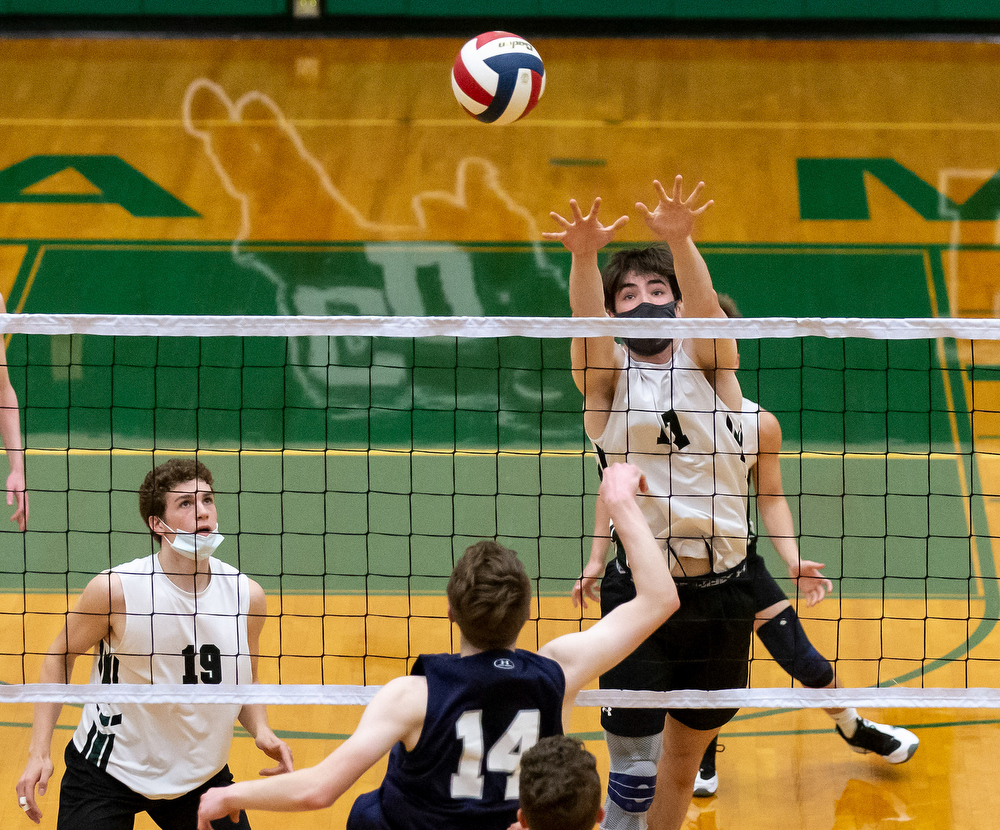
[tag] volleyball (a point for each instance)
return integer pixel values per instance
(498, 77)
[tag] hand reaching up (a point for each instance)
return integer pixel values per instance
(673, 218)
(584, 234)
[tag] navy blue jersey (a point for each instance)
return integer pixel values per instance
(483, 712)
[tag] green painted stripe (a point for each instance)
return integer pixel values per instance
(567, 162)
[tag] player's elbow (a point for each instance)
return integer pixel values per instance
(315, 788)
(669, 604)
(317, 801)
(661, 604)
(317, 796)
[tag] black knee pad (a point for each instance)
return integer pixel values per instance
(788, 644)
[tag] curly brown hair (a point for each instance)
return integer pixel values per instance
(161, 480)
(560, 788)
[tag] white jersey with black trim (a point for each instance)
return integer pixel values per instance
(165, 750)
(667, 420)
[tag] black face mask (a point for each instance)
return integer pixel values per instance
(643, 346)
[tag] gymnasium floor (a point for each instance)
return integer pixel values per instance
(322, 176)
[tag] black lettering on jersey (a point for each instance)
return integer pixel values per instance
(210, 659)
(737, 432)
(671, 432)
(107, 665)
(602, 462)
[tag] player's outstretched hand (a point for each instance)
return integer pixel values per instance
(584, 234)
(588, 586)
(211, 808)
(811, 582)
(277, 749)
(673, 218)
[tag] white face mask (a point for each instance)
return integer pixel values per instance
(194, 545)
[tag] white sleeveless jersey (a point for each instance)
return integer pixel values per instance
(667, 420)
(165, 750)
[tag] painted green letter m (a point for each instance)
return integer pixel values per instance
(835, 189)
(117, 182)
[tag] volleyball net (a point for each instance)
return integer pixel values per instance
(355, 458)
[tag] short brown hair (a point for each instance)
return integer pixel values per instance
(560, 788)
(161, 480)
(656, 259)
(490, 595)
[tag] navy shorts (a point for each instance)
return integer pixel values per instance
(704, 645)
(91, 798)
(366, 813)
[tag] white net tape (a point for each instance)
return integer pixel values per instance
(150, 325)
(310, 694)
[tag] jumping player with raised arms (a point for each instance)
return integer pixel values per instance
(672, 407)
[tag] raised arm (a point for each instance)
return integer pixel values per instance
(396, 713)
(593, 358)
(672, 220)
(253, 716)
(585, 655)
(87, 624)
(777, 516)
(10, 434)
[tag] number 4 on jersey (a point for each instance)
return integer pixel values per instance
(671, 433)
(504, 756)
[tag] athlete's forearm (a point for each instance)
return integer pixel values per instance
(601, 540)
(586, 290)
(43, 726)
(297, 791)
(253, 718)
(776, 516)
(10, 425)
(599, 550)
(56, 668)
(653, 582)
(694, 279)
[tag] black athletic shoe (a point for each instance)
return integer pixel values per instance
(893, 743)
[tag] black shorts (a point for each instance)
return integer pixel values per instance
(91, 798)
(766, 590)
(704, 645)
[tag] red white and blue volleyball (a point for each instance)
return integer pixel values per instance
(498, 77)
